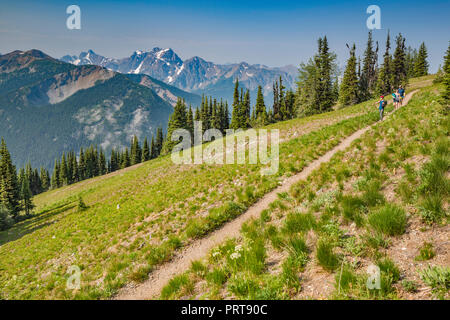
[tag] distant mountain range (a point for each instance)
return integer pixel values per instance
(48, 106)
(194, 75)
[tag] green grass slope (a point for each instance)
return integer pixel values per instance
(384, 202)
(162, 207)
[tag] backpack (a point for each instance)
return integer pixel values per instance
(384, 104)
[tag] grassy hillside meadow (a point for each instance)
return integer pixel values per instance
(384, 201)
(162, 207)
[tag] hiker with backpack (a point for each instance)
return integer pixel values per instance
(395, 99)
(381, 105)
(401, 92)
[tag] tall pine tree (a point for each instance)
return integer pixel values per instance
(159, 141)
(411, 58)
(399, 63)
(326, 61)
(367, 81)
(236, 113)
(384, 84)
(315, 86)
(145, 151)
(177, 121)
(136, 152)
(421, 65)
(260, 107)
(26, 197)
(9, 188)
(349, 87)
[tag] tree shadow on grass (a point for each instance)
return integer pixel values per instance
(38, 221)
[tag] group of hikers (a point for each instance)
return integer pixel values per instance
(397, 99)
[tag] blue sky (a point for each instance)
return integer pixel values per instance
(274, 33)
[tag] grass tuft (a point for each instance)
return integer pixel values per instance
(298, 222)
(326, 256)
(390, 220)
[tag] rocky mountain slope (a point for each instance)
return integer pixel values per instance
(48, 106)
(195, 74)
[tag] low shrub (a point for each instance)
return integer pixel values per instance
(438, 278)
(426, 252)
(81, 205)
(409, 286)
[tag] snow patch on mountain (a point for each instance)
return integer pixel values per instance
(193, 75)
(138, 69)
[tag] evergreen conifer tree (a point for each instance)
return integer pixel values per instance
(190, 122)
(325, 66)
(63, 170)
(245, 111)
(421, 64)
(367, 82)
(226, 124)
(315, 87)
(136, 152)
(102, 168)
(45, 179)
(145, 151)
(9, 188)
(411, 58)
(82, 165)
(384, 85)
(159, 141)
(276, 102)
(26, 195)
(125, 159)
(289, 104)
(153, 151)
(236, 113)
(260, 107)
(349, 87)
(177, 121)
(399, 63)
(55, 182)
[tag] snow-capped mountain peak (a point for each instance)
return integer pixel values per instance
(194, 74)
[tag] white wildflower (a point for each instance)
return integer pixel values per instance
(235, 255)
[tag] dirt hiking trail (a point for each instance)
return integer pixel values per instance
(182, 259)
